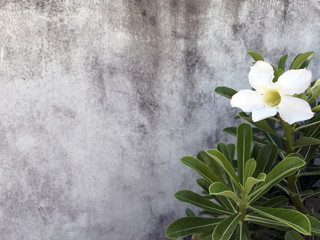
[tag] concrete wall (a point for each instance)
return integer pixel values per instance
(100, 98)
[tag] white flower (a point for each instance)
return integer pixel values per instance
(270, 98)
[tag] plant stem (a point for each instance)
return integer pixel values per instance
(306, 126)
(296, 200)
(243, 206)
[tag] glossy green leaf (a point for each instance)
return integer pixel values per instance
(302, 60)
(203, 184)
(306, 141)
(224, 163)
(266, 158)
(225, 229)
(190, 213)
(244, 142)
(263, 124)
(242, 232)
(204, 236)
(183, 227)
(276, 202)
(282, 62)
(315, 225)
(231, 149)
(267, 222)
(201, 202)
(212, 164)
(292, 218)
(221, 200)
(249, 169)
(256, 56)
(280, 72)
(221, 147)
(313, 194)
(225, 91)
(200, 168)
(233, 131)
(251, 181)
(275, 73)
(255, 151)
(293, 235)
(220, 189)
(286, 167)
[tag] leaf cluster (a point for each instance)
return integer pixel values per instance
(260, 187)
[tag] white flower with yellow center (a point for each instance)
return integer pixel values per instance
(270, 98)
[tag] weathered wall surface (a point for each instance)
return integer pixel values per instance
(100, 98)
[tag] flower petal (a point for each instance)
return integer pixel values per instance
(294, 81)
(261, 112)
(245, 99)
(292, 109)
(261, 75)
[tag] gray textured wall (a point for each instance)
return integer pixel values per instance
(99, 100)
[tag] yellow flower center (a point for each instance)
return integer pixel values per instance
(271, 97)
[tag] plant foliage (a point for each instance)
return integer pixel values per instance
(264, 187)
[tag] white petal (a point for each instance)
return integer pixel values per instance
(261, 75)
(294, 81)
(245, 99)
(292, 109)
(261, 112)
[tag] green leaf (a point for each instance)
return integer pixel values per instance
(282, 62)
(276, 74)
(183, 227)
(302, 60)
(205, 236)
(266, 158)
(266, 222)
(200, 168)
(315, 225)
(276, 202)
(212, 164)
(203, 184)
(306, 141)
(225, 229)
(220, 189)
(293, 235)
(224, 163)
(313, 194)
(283, 169)
(242, 232)
(231, 149)
(263, 124)
(221, 147)
(249, 168)
(280, 72)
(292, 218)
(244, 141)
(225, 151)
(190, 213)
(201, 202)
(233, 131)
(256, 56)
(225, 91)
(254, 152)
(251, 181)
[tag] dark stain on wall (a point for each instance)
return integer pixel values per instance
(97, 69)
(53, 7)
(144, 56)
(286, 4)
(194, 62)
(159, 222)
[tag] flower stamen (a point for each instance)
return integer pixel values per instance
(271, 98)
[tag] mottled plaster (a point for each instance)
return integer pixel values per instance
(100, 99)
